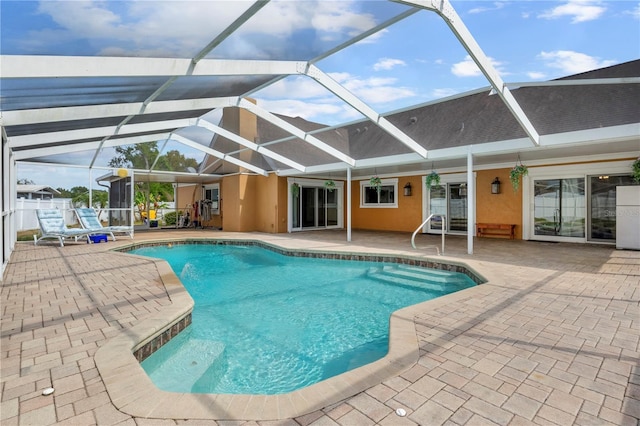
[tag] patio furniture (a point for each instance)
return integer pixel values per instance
(89, 220)
(52, 225)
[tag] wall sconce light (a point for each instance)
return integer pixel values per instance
(407, 189)
(463, 189)
(495, 186)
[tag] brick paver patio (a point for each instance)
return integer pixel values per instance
(552, 339)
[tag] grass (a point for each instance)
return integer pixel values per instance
(28, 234)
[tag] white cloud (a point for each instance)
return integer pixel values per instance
(536, 75)
(570, 62)
(183, 28)
(579, 10)
(635, 13)
(443, 93)
(336, 17)
(496, 6)
(307, 110)
(388, 63)
(300, 96)
(468, 68)
(295, 87)
(374, 90)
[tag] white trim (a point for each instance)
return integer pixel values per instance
(314, 183)
(216, 211)
(385, 182)
(445, 179)
(563, 172)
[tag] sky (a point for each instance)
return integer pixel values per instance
(411, 62)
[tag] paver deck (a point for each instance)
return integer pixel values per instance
(552, 339)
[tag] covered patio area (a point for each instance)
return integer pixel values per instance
(551, 338)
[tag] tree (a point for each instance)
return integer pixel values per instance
(144, 155)
(80, 196)
(176, 162)
(25, 181)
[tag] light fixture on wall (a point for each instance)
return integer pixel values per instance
(463, 189)
(407, 189)
(495, 186)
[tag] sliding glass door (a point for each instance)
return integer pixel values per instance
(449, 199)
(559, 208)
(315, 207)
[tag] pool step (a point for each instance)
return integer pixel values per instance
(200, 364)
(441, 282)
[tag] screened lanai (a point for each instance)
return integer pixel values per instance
(77, 102)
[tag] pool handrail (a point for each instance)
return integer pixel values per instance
(442, 229)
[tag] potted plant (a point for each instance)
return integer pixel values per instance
(516, 173)
(635, 167)
(376, 182)
(295, 189)
(432, 179)
(330, 185)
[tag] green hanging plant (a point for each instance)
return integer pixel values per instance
(432, 179)
(330, 185)
(376, 182)
(635, 167)
(516, 173)
(295, 189)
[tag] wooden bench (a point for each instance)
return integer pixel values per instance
(496, 229)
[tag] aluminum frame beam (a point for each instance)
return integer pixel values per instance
(25, 154)
(301, 134)
(340, 91)
(221, 155)
(45, 115)
(28, 66)
(247, 143)
(446, 11)
(94, 132)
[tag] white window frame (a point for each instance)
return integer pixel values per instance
(385, 182)
(583, 170)
(313, 183)
(426, 195)
(214, 210)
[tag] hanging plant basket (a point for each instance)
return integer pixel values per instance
(635, 174)
(295, 189)
(376, 182)
(330, 185)
(432, 179)
(516, 173)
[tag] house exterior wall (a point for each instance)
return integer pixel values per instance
(254, 203)
(406, 217)
(505, 207)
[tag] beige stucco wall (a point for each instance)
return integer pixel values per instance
(505, 207)
(406, 217)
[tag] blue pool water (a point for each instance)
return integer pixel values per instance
(266, 323)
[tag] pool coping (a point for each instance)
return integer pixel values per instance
(133, 392)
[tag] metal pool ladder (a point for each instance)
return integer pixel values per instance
(442, 229)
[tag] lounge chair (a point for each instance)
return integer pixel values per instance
(89, 220)
(52, 226)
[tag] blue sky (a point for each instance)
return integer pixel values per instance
(411, 62)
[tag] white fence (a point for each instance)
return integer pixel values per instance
(26, 212)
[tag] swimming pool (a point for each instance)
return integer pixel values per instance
(265, 323)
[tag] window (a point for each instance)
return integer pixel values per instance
(386, 197)
(212, 194)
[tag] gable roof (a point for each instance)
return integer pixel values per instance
(477, 118)
(26, 189)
